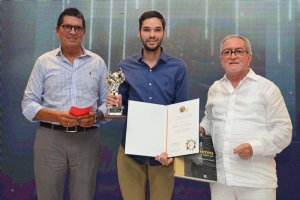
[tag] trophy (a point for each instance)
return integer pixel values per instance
(114, 80)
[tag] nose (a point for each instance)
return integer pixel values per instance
(233, 56)
(72, 30)
(152, 33)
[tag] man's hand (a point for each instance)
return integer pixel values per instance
(163, 159)
(66, 119)
(86, 120)
(201, 130)
(244, 151)
(112, 100)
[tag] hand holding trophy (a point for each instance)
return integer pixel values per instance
(114, 80)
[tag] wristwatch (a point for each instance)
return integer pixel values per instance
(97, 116)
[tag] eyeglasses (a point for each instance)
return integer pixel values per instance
(68, 28)
(237, 52)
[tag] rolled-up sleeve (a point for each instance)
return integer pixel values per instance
(31, 103)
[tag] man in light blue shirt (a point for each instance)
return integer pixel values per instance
(67, 76)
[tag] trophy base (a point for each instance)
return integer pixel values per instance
(114, 116)
(114, 112)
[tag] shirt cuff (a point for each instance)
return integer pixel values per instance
(31, 113)
(104, 111)
(206, 128)
(257, 147)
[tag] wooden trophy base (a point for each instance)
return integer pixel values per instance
(114, 116)
(115, 112)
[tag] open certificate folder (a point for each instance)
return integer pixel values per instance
(153, 129)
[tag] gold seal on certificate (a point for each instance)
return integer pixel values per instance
(114, 80)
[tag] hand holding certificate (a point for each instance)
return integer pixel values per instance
(153, 129)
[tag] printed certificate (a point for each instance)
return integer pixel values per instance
(153, 129)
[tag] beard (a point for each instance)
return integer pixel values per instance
(151, 48)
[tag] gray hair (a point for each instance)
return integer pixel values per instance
(247, 43)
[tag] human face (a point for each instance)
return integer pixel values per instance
(236, 66)
(151, 34)
(70, 39)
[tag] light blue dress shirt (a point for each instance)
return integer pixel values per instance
(57, 85)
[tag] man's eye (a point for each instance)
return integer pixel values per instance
(239, 51)
(68, 26)
(227, 52)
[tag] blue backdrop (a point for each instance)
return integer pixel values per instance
(194, 31)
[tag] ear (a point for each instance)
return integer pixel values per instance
(165, 33)
(139, 33)
(249, 59)
(56, 30)
(221, 59)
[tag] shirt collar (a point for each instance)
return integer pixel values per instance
(251, 74)
(85, 52)
(163, 55)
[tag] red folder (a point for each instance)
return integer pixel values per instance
(77, 111)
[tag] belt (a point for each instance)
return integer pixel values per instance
(67, 129)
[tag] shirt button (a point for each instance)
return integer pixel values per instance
(150, 83)
(150, 70)
(150, 97)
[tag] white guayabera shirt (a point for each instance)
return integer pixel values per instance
(254, 113)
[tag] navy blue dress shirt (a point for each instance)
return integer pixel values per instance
(163, 84)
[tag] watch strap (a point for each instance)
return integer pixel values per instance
(97, 116)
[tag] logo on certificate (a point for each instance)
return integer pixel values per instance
(183, 109)
(190, 144)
